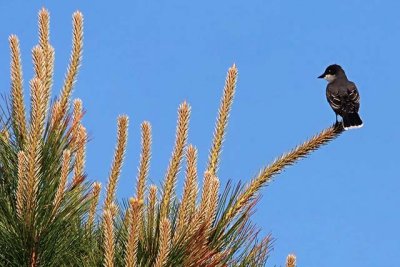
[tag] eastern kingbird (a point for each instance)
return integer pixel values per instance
(343, 96)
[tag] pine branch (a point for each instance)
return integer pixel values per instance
(38, 63)
(164, 243)
(77, 115)
(291, 260)
(151, 211)
(222, 120)
(279, 164)
(75, 62)
(188, 202)
(109, 236)
(18, 106)
(63, 180)
(95, 195)
(144, 160)
(122, 138)
(33, 146)
(22, 184)
(80, 155)
(176, 158)
(48, 52)
(135, 213)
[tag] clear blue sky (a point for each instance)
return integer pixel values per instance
(340, 206)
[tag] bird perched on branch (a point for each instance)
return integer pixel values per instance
(343, 96)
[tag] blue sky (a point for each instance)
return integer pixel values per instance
(339, 207)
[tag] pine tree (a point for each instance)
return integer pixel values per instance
(50, 213)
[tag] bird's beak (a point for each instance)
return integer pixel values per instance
(321, 76)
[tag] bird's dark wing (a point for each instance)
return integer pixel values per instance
(343, 98)
(334, 99)
(353, 96)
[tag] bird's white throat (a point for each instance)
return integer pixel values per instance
(330, 77)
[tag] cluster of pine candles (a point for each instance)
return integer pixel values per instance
(50, 213)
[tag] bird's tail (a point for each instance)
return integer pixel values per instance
(351, 121)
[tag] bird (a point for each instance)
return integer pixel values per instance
(342, 96)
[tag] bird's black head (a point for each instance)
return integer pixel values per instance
(331, 72)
